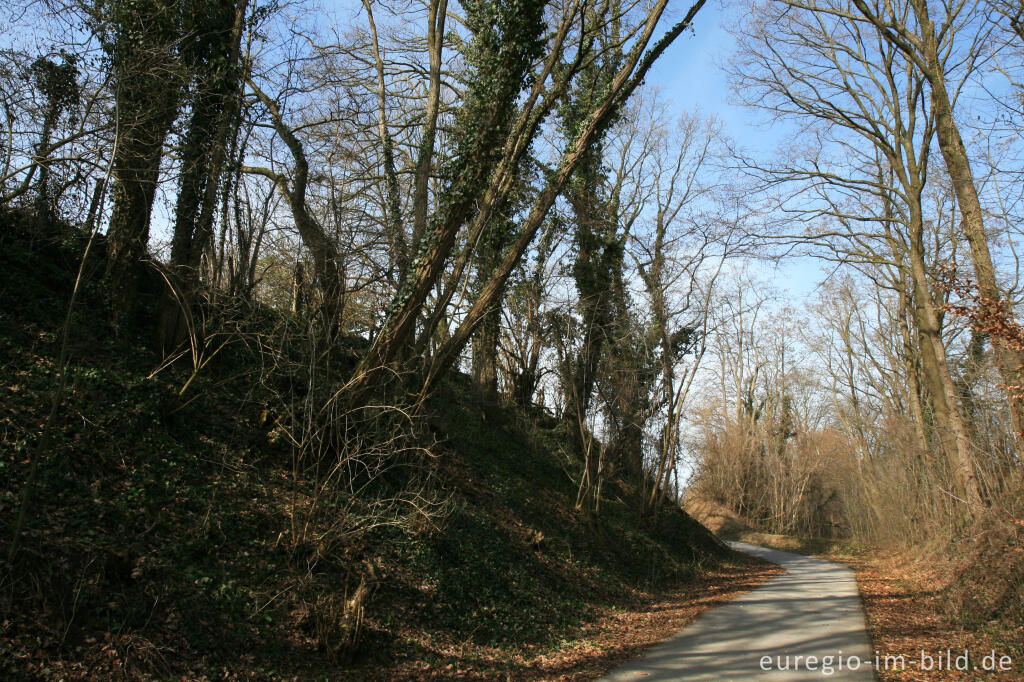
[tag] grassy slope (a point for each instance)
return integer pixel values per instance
(153, 546)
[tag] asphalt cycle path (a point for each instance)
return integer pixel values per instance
(807, 624)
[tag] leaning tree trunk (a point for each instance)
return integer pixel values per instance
(328, 267)
(410, 302)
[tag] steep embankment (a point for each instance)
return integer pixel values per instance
(161, 537)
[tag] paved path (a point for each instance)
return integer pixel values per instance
(813, 610)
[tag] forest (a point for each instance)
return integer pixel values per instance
(409, 339)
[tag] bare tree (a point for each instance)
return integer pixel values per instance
(327, 261)
(854, 86)
(934, 47)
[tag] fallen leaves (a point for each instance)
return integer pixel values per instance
(613, 635)
(905, 616)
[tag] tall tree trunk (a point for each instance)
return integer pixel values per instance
(496, 237)
(909, 355)
(143, 127)
(1010, 361)
(398, 256)
(42, 162)
(424, 160)
(952, 430)
(147, 94)
(593, 272)
(215, 111)
(485, 354)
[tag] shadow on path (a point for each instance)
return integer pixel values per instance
(809, 622)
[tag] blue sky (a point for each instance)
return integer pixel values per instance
(690, 77)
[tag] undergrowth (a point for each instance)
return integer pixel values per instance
(158, 541)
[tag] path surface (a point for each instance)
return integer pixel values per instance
(813, 610)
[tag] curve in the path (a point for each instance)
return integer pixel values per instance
(807, 624)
